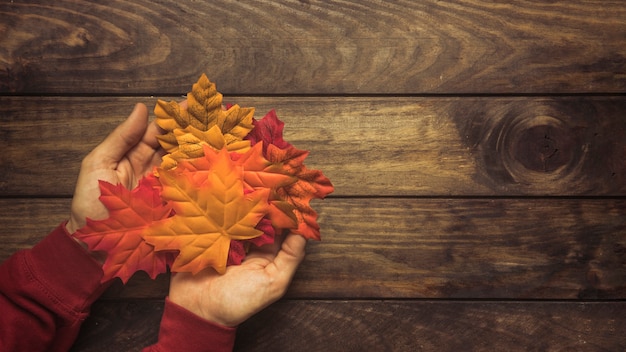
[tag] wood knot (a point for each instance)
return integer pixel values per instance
(544, 148)
(541, 146)
(539, 149)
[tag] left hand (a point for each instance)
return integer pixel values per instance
(125, 156)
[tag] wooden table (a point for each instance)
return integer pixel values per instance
(477, 149)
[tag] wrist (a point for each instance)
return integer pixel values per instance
(182, 330)
(195, 308)
(70, 230)
(193, 298)
(71, 226)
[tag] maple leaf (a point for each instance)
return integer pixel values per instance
(268, 130)
(211, 209)
(203, 113)
(310, 184)
(191, 142)
(236, 252)
(151, 181)
(269, 233)
(258, 173)
(239, 249)
(130, 213)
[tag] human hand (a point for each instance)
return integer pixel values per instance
(244, 290)
(126, 155)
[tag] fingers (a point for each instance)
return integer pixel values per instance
(148, 152)
(124, 137)
(152, 132)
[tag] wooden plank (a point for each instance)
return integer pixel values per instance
(385, 326)
(313, 47)
(423, 248)
(403, 146)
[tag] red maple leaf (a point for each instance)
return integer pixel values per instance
(239, 249)
(268, 130)
(120, 235)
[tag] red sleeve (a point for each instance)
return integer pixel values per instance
(45, 294)
(182, 330)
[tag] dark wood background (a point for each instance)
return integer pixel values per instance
(477, 149)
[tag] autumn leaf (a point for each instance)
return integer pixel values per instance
(268, 130)
(258, 173)
(310, 184)
(120, 235)
(227, 182)
(151, 181)
(239, 249)
(236, 253)
(269, 233)
(191, 142)
(204, 113)
(211, 209)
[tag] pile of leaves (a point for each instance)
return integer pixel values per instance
(227, 182)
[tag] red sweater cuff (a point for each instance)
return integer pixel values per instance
(66, 270)
(45, 294)
(182, 330)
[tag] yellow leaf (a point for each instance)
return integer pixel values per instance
(205, 119)
(191, 142)
(211, 210)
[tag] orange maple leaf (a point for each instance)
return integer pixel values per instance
(211, 209)
(120, 235)
(310, 184)
(258, 173)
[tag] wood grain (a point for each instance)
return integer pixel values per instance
(401, 146)
(423, 248)
(385, 326)
(313, 47)
(478, 150)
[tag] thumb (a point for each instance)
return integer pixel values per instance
(124, 137)
(289, 257)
